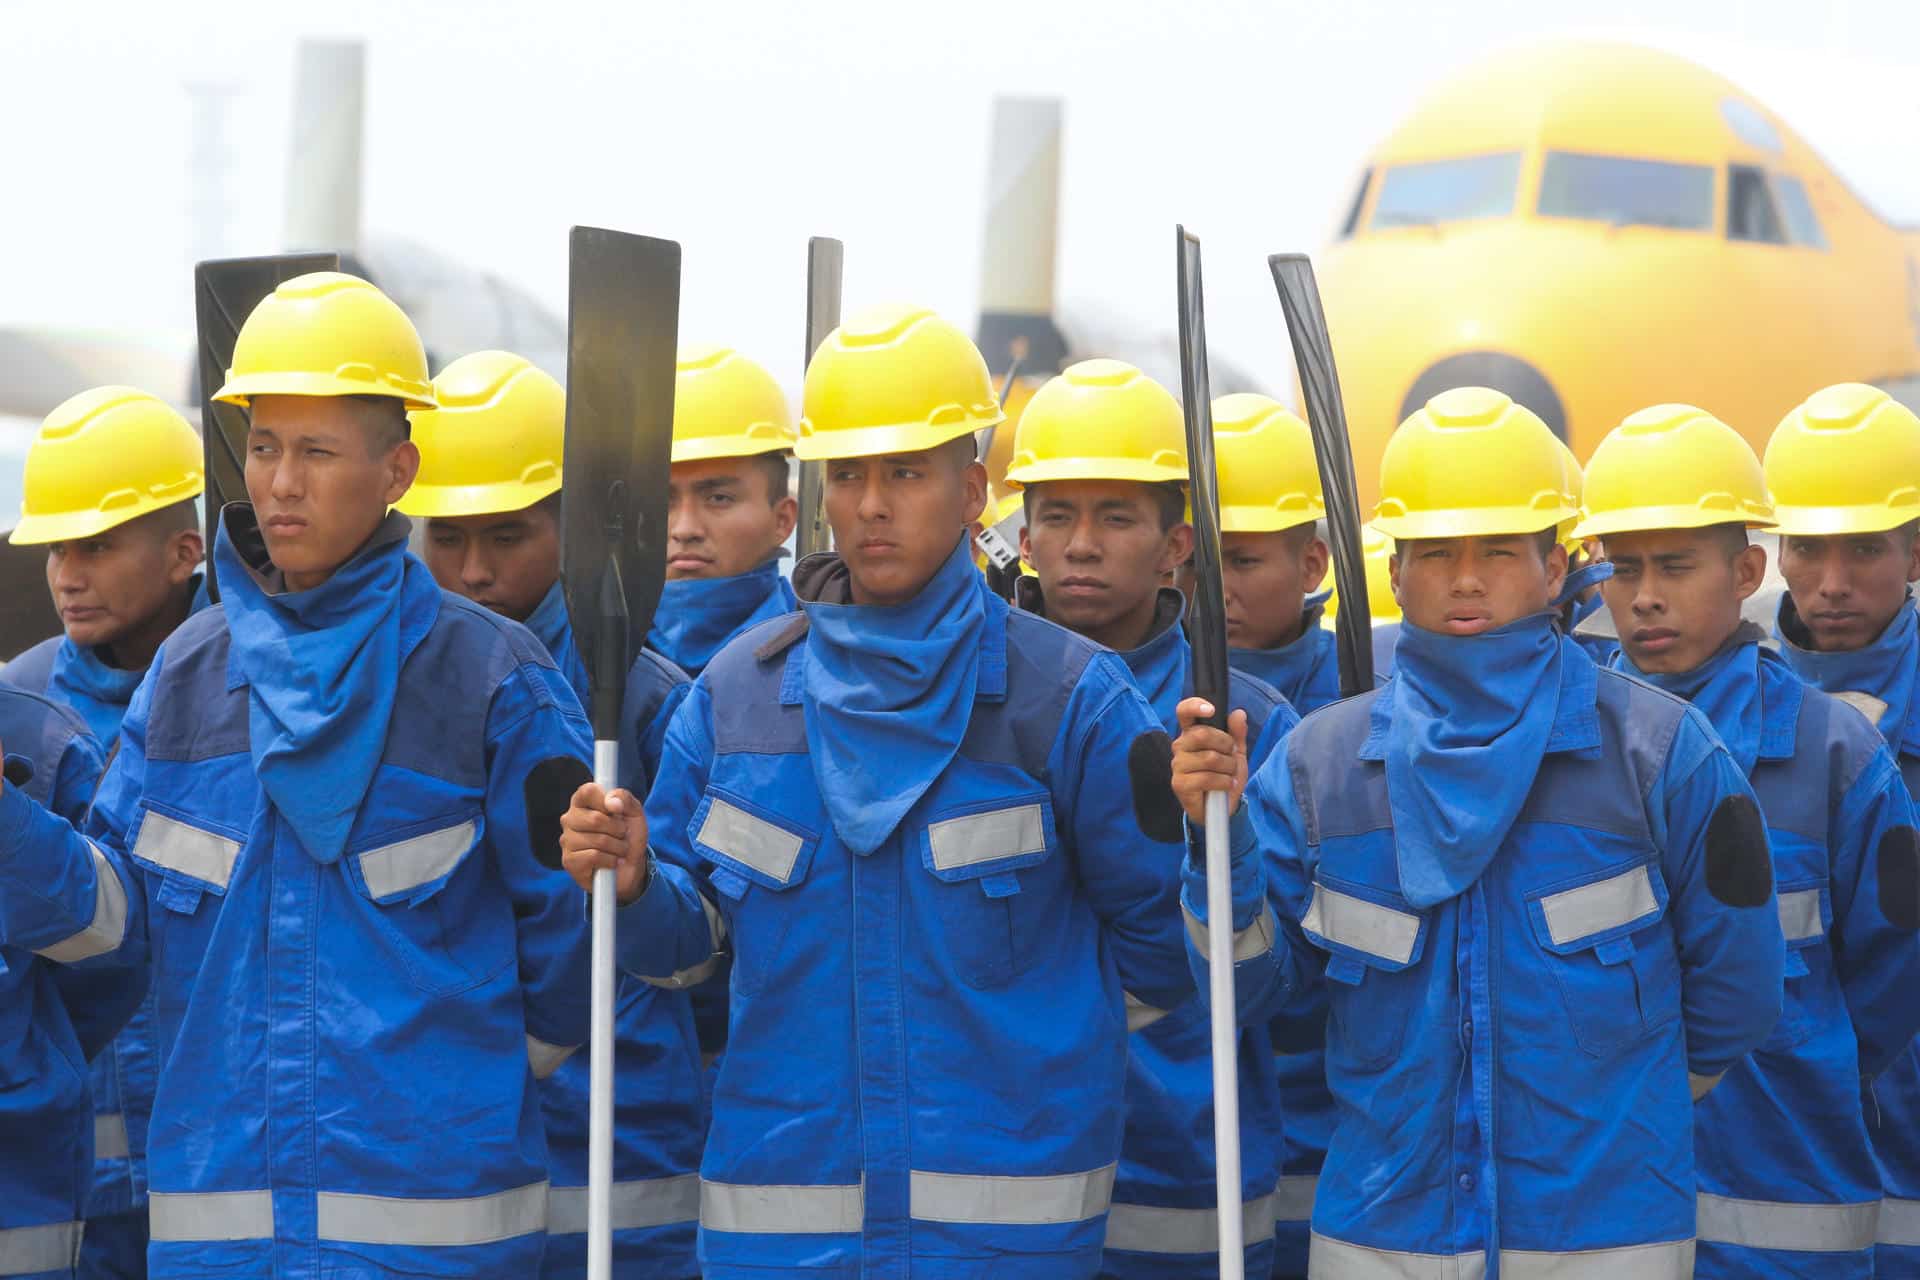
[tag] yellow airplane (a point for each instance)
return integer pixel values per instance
(1593, 228)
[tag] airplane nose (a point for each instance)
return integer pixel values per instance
(1514, 377)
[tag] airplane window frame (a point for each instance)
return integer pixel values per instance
(1785, 183)
(1761, 184)
(1512, 159)
(1350, 226)
(1702, 217)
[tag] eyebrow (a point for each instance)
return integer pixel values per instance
(711, 483)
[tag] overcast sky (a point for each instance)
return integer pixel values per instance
(739, 129)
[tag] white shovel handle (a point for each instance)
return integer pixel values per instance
(606, 768)
(1226, 1078)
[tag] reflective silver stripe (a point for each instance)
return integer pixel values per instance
(1362, 925)
(641, 1203)
(210, 1215)
(1772, 1224)
(188, 850)
(745, 838)
(761, 1210)
(983, 837)
(1667, 1260)
(1139, 1013)
(108, 929)
(1254, 940)
(417, 860)
(110, 1137)
(28, 1251)
(1598, 907)
(1010, 1201)
(1899, 1222)
(1800, 915)
(1865, 703)
(1143, 1228)
(544, 1058)
(699, 973)
(1293, 1198)
(1329, 1259)
(361, 1219)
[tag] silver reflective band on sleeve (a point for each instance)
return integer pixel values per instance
(1595, 908)
(108, 929)
(1139, 1013)
(699, 973)
(1701, 1086)
(1667, 1260)
(1254, 940)
(1362, 925)
(1328, 1258)
(782, 1210)
(1293, 1198)
(410, 863)
(186, 849)
(1800, 915)
(745, 838)
(544, 1058)
(32, 1251)
(360, 1219)
(984, 837)
(1142, 1228)
(1899, 1222)
(1010, 1201)
(184, 1217)
(638, 1204)
(1801, 1228)
(109, 1138)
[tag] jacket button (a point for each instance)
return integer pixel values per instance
(1466, 1029)
(1466, 1182)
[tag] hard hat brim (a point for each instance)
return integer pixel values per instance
(1133, 470)
(1642, 519)
(1475, 522)
(241, 390)
(1827, 522)
(707, 448)
(71, 526)
(1267, 519)
(874, 442)
(450, 501)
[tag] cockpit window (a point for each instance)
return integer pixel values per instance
(1352, 222)
(1750, 211)
(1749, 125)
(1432, 191)
(1802, 222)
(1625, 192)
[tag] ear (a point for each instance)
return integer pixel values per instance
(786, 514)
(1314, 561)
(1556, 570)
(1749, 570)
(1393, 577)
(1026, 545)
(974, 482)
(1177, 549)
(401, 465)
(185, 550)
(1913, 557)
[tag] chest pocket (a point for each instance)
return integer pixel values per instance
(1806, 913)
(431, 896)
(755, 859)
(1604, 942)
(977, 852)
(188, 868)
(1373, 948)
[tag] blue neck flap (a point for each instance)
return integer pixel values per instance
(1471, 716)
(100, 693)
(550, 627)
(1725, 688)
(697, 616)
(1883, 670)
(322, 667)
(889, 694)
(1306, 668)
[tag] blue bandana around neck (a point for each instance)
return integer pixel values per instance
(1884, 669)
(100, 693)
(1471, 716)
(1725, 688)
(550, 627)
(1306, 669)
(697, 616)
(889, 695)
(322, 667)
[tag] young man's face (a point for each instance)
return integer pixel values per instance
(1848, 587)
(897, 518)
(1101, 552)
(321, 473)
(506, 561)
(116, 584)
(1675, 594)
(1266, 578)
(1468, 586)
(724, 518)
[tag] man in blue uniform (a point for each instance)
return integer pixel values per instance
(1100, 458)
(1537, 892)
(110, 484)
(1788, 1186)
(1841, 470)
(489, 491)
(907, 816)
(323, 833)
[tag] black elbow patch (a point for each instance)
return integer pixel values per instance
(1739, 865)
(1900, 878)
(19, 771)
(1150, 772)
(549, 791)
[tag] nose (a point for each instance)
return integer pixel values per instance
(66, 575)
(1081, 544)
(475, 570)
(681, 524)
(1834, 583)
(874, 505)
(1645, 599)
(288, 482)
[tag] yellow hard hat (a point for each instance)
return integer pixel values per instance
(893, 380)
(1100, 420)
(494, 444)
(1376, 550)
(1575, 483)
(1846, 461)
(1673, 467)
(102, 458)
(1471, 463)
(1264, 454)
(726, 406)
(328, 334)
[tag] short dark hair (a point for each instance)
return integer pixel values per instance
(962, 451)
(387, 418)
(1731, 537)
(778, 472)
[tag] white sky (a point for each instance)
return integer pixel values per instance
(741, 128)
